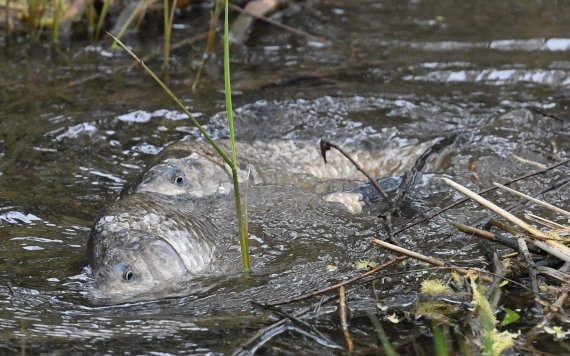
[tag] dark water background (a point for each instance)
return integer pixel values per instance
(394, 73)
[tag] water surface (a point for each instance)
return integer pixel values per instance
(496, 74)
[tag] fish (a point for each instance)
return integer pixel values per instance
(162, 231)
(147, 241)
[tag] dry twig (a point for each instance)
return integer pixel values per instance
(343, 283)
(554, 309)
(545, 222)
(534, 200)
(525, 254)
(343, 322)
(301, 323)
(325, 146)
(450, 206)
(424, 258)
(507, 242)
(553, 247)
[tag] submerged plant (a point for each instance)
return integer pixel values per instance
(388, 348)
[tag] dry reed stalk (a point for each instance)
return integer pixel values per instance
(553, 247)
(343, 320)
(534, 200)
(424, 258)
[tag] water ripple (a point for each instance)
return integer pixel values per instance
(16, 217)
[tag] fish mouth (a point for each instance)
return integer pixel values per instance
(154, 292)
(102, 297)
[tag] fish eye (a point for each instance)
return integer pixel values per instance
(179, 180)
(128, 275)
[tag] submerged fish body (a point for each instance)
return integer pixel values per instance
(161, 231)
(147, 239)
(194, 168)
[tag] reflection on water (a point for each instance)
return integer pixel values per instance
(395, 73)
(533, 44)
(16, 217)
(493, 76)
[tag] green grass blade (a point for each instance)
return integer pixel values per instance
(101, 19)
(123, 29)
(210, 44)
(227, 84)
(439, 341)
(243, 234)
(388, 348)
(232, 163)
(57, 7)
(168, 20)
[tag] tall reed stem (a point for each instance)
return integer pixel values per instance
(136, 11)
(101, 19)
(168, 20)
(57, 6)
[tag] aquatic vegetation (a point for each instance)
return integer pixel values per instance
(435, 287)
(139, 8)
(454, 107)
(242, 223)
(439, 340)
(210, 44)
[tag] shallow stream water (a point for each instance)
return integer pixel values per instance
(394, 73)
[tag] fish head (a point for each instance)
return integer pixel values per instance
(146, 243)
(135, 271)
(195, 175)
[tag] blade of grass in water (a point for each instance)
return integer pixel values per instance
(57, 7)
(175, 99)
(168, 19)
(388, 348)
(210, 44)
(101, 19)
(90, 16)
(439, 341)
(243, 234)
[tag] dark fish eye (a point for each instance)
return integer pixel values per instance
(179, 180)
(128, 275)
